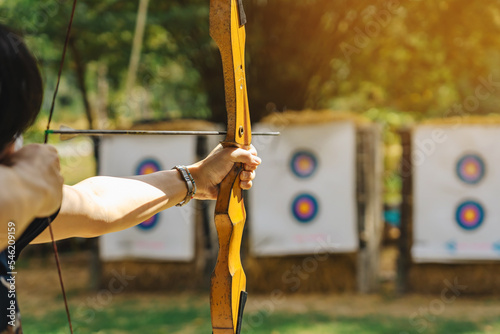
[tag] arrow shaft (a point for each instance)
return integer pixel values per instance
(149, 132)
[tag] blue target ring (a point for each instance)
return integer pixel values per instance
(148, 166)
(469, 215)
(470, 168)
(304, 164)
(305, 208)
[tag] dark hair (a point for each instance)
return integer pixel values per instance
(21, 88)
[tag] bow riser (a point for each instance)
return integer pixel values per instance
(228, 277)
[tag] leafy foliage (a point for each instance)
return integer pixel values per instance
(424, 56)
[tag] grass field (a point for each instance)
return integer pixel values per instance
(133, 312)
(160, 318)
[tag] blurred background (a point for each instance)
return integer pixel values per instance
(375, 69)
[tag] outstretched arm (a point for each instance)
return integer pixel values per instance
(101, 205)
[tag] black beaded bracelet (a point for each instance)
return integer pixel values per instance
(192, 180)
(191, 185)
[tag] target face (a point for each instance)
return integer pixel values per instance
(149, 223)
(303, 164)
(470, 168)
(469, 215)
(305, 208)
(148, 166)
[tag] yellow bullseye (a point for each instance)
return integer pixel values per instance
(304, 207)
(471, 169)
(470, 215)
(149, 170)
(304, 164)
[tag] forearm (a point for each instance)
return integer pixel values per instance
(102, 204)
(125, 202)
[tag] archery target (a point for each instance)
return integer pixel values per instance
(170, 234)
(148, 166)
(149, 224)
(470, 168)
(305, 208)
(303, 164)
(456, 211)
(469, 215)
(303, 200)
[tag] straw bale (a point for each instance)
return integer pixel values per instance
(291, 117)
(465, 120)
(478, 278)
(153, 276)
(302, 274)
(177, 125)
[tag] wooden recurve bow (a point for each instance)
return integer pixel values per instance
(228, 283)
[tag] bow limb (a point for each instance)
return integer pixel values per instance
(228, 283)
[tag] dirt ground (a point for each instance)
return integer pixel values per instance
(39, 293)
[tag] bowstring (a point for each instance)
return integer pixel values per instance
(51, 113)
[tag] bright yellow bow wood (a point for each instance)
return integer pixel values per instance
(228, 284)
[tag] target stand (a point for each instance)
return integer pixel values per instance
(311, 204)
(450, 213)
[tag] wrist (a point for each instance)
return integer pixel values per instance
(195, 173)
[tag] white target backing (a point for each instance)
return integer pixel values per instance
(303, 200)
(456, 193)
(170, 235)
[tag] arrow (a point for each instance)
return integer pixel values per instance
(68, 133)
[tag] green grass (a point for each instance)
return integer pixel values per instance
(135, 317)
